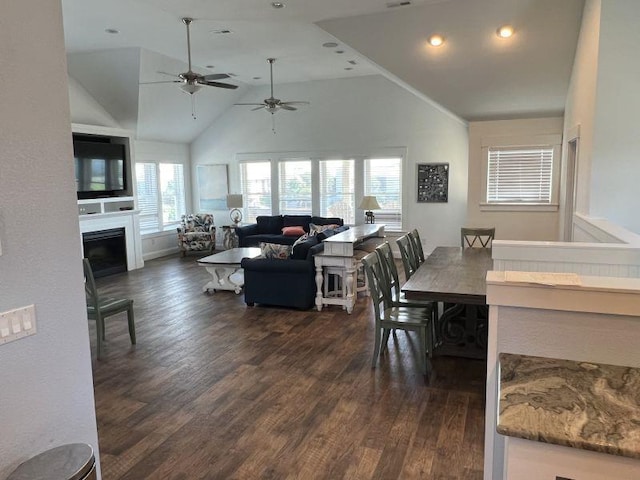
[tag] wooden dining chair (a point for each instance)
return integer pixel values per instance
(477, 237)
(414, 235)
(391, 271)
(388, 317)
(409, 260)
(99, 308)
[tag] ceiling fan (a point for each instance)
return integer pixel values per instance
(272, 104)
(190, 81)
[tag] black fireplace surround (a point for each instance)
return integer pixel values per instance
(106, 251)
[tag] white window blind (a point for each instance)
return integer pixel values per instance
(520, 175)
(295, 187)
(172, 193)
(256, 189)
(383, 179)
(147, 191)
(337, 189)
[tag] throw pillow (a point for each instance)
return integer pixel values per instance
(313, 228)
(293, 231)
(275, 250)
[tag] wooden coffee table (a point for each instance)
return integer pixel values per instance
(225, 269)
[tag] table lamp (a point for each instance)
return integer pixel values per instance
(234, 202)
(369, 203)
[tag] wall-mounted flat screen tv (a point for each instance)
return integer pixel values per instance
(100, 169)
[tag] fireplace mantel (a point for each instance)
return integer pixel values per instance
(128, 220)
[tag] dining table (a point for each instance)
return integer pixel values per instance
(457, 278)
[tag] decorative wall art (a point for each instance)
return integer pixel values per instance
(433, 182)
(213, 187)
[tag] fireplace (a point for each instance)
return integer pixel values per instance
(106, 251)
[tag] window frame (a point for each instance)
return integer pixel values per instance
(518, 141)
(161, 226)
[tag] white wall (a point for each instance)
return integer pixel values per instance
(358, 115)
(85, 109)
(615, 165)
(581, 102)
(46, 398)
(511, 225)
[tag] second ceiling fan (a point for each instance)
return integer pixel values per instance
(272, 104)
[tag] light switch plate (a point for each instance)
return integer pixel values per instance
(17, 323)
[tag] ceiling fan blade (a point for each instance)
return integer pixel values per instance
(286, 106)
(295, 103)
(215, 76)
(167, 73)
(162, 81)
(219, 85)
(257, 108)
(261, 104)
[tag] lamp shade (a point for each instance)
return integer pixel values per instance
(369, 203)
(234, 200)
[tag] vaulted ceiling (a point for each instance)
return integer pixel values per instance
(474, 74)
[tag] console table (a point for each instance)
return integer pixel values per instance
(338, 252)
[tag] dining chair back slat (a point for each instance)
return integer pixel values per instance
(414, 235)
(409, 261)
(477, 237)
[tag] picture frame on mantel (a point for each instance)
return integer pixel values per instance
(433, 182)
(213, 187)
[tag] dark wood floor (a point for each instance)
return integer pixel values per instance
(217, 390)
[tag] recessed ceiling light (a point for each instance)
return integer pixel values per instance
(339, 51)
(257, 78)
(436, 40)
(210, 66)
(330, 44)
(278, 5)
(112, 31)
(348, 68)
(222, 31)
(505, 31)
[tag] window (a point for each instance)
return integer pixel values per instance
(337, 189)
(161, 195)
(383, 179)
(520, 175)
(295, 187)
(256, 188)
(324, 184)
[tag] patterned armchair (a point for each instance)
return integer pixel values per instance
(197, 232)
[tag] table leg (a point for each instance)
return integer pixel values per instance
(349, 277)
(221, 279)
(319, 287)
(462, 331)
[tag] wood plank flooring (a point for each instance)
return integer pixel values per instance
(218, 390)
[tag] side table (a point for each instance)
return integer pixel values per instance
(229, 238)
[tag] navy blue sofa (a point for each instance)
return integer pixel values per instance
(285, 283)
(268, 229)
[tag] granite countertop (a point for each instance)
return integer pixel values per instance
(577, 404)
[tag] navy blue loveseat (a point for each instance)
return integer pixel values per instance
(285, 283)
(268, 228)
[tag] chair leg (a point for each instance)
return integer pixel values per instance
(103, 330)
(376, 348)
(132, 325)
(385, 340)
(423, 350)
(99, 335)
